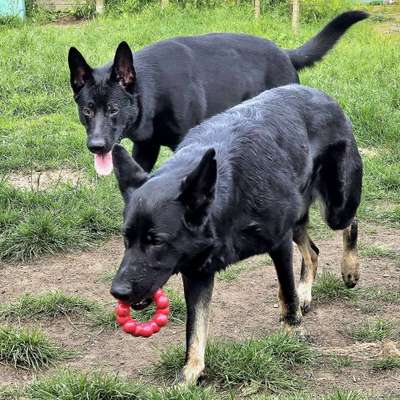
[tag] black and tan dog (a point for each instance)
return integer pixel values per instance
(156, 95)
(240, 184)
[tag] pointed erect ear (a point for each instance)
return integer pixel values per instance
(81, 72)
(123, 70)
(197, 189)
(130, 175)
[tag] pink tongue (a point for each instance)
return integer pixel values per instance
(103, 163)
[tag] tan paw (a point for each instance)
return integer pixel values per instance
(305, 297)
(350, 270)
(190, 374)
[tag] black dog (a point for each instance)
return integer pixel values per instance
(155, 97)
(240, 184)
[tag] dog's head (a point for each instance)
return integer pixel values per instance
(166, 224)
(106, 97)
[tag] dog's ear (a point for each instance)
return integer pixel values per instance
(197, 189)
(130, 175)
(81, 72)
(123, 70)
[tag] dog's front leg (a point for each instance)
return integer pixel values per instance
(282, 256)
(198, 293)
(146, 153)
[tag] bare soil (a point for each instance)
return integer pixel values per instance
(42, 180)
(391, 21)
(242, 308)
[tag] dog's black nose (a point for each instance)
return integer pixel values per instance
(97, 145)
(121, 292)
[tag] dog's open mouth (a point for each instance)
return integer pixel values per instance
(142, 304)
(103, 163)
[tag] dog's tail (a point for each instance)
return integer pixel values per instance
(313, 51)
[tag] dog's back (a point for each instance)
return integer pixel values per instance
(271, 153)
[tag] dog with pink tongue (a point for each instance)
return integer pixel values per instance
(155, 95)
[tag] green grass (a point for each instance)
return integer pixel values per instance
(71, 385)
(373, 331)
(192, 393)
(39, 128)
(387, 363)
(328, 288)
(10, 393)
(28, 349)
(338, 362)
(267, 363)
(378, 250)
(232, 272)
(46, 305)
(380, 294)
(57, 304)
(338, 395)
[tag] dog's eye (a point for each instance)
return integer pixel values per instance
(152, 240)
(112, 109)
(87, 112)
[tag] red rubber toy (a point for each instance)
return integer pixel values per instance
(144, 329)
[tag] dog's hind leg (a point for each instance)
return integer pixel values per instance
(350, 264)
(340, 189)
(198, 293)
(309, 265)
(282, 257)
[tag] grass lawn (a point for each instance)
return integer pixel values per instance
(39, 128)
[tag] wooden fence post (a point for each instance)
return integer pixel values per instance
(257, 8)
(99, 6)
(296, 17)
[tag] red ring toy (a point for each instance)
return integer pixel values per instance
(144, 329)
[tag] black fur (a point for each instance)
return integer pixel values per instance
(315, 49)
(239, 184)
(166, 88)
(353, 236)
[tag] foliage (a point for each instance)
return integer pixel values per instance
(28, 349)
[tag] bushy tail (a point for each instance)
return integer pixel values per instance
(319, 45)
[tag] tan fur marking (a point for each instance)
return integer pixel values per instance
(283, 312)
(195, 361)
(350, 264)
(309, 271)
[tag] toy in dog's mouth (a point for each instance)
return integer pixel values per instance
(144, 329)
(103, 163)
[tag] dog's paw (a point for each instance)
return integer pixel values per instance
(190, 374)
(291, 323)
(350, 270)
(305, 297)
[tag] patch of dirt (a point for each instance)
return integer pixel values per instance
(42, 180)
(388, 18)
(369, 152)
(242, 308)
